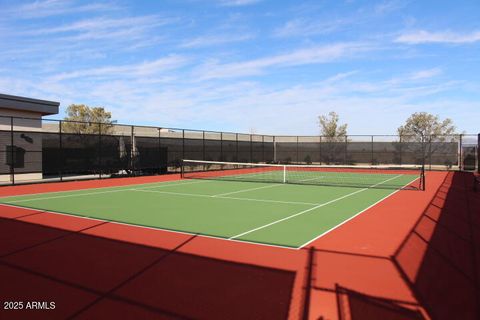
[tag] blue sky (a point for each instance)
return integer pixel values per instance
(268, 66)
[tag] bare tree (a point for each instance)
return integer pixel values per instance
(330, 128)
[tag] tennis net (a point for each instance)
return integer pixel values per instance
(385, 177)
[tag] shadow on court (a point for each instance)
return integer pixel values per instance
(435, 271)
(440, 258)
(90, 277)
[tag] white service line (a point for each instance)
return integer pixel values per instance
(218, 197)
(174, 184)
(362, 211)
(245, 190)
(313, 208)
(264, 187)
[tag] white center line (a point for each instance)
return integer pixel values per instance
(313, 208)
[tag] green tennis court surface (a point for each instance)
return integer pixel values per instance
(279, 214)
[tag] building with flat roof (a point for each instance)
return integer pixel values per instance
(21, 136)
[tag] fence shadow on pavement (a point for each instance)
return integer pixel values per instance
(88, 276)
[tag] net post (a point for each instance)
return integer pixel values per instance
(284, 174)
(422, 178)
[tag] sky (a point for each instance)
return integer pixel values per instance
(259, 66)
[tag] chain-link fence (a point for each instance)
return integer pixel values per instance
(35, 149)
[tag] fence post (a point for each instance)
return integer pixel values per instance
(251, 150)
(320, 150)
(430, 152)
(60, 144)
(160, 150)
(100, 148)
(132, 150)
(203, 145)
(400, 140)
(345, 154)
(221, 146)
(236, 147)
(460, 159)
(371, 152)
(478, 153)
(296, 151)
(263, 149)
(12, 156)
(183, 144)
(424, 156)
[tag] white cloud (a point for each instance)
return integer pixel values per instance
(126, 71)
(319, 54)
(304, 27)
(210, 40)
(217, 105)
(45, 8)
(422, 36)
(426, 74)
(235, 3)
(104, 25)
(388, 6)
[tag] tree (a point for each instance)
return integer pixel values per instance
(334, 135)
(423, 124)
(83, 119)
(330, 128)
(429, 132)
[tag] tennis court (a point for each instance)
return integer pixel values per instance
(286, 206)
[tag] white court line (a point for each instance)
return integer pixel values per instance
(338, 225)
(245, 190)
(264, 187)
(166, 183)
(151, 228)
(76, 194)
(222, 197)
(68, 195)
(313, 208)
